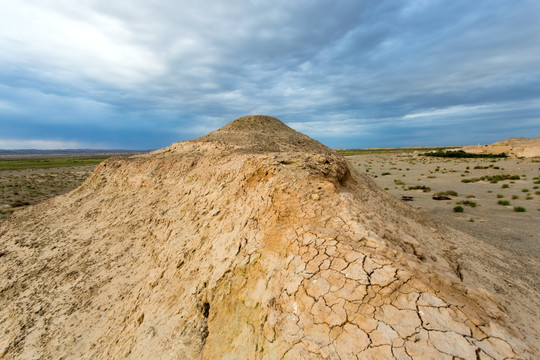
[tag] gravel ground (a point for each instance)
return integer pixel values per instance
(498, 225)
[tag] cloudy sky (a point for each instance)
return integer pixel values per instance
(143, 74)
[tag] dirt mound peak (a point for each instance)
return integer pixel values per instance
(257, 123)
(262, 133)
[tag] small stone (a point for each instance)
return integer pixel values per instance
(315, 197)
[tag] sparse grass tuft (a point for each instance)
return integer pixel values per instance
(424, 188)
(519, 209)
(458, 209)
(447, 193)
(492, 179)
(503, 202)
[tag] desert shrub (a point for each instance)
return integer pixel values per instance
(500, 196)
(525, 190)
(458, 209)
(385, 173)
(492, 179)
(470, 203)
(480, 167)
(505, 186)
(447, 193)
(424, 188)
(503, 202)
(399, 182)
(537, 192)
(519, 209)
(470, 196)
(514, 197)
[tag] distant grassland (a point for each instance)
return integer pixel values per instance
(52, 162)
(352, 152)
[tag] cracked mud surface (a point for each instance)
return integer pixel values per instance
(210, 249)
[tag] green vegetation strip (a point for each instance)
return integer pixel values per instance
(351, 152)
(462, 154)
(45, 163)
(492, 179)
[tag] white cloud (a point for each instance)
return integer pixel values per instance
(446, 111)
(8, 107)
(52, 43)
(39, 144)
(331, 127)
(119, 67)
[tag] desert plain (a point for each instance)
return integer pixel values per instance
(486, 215)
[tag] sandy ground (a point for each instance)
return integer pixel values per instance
(497, 225)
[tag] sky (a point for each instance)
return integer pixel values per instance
(143, 74)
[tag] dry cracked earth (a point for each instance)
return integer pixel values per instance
(253, 242)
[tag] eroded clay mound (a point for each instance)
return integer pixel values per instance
(516, 147)
(217, 249)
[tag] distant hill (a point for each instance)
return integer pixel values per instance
(516, 147)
